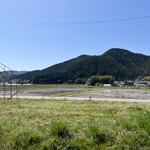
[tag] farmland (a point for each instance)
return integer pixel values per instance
(84, 91)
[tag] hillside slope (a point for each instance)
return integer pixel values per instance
(120, 63)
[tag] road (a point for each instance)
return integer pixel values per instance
(143, 101)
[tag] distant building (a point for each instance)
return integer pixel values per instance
(142, 83)
(107, 85)
(130, 84)
(119, 83)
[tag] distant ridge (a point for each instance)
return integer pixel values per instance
(18, 72)
(10, 74)
(120, 63)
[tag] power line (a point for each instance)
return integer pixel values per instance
(90, 22)
(76, 22)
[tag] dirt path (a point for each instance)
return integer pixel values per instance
(147, 101)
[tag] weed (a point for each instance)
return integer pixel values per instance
(52, 144)
(135, 108)
(80, 143)
(133, 141)
(128, 123)
(144, 121)
(23, 139)
(98, 132)
(111, 111)
(59, 128)
(61, 144)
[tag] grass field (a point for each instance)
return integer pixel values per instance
(73, 125)
(40, 86)
(36, 86)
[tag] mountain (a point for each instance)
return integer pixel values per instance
(14, 72)
(8, 75)
(120, 63)
(19, 72)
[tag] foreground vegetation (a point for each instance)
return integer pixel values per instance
(73, 125)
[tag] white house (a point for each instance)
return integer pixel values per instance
(107, 85)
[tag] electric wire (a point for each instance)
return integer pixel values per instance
(75, 22)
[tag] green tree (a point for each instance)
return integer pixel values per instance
(95, 80)
(147, 78)
(80, 81)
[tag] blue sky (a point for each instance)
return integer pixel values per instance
(30, 38)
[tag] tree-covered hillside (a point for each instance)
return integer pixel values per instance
(119, 63)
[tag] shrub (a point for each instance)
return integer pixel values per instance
(147, 78)
(80, 81)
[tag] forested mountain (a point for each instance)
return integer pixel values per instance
(120, 63)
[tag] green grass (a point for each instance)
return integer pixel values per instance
(37, 86)
(59, 128)
(67, 94)
(98, 132)
(73, 125)
(70, 93)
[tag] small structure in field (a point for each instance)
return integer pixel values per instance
(107, 85)
(142, 83)
(130, 84)
(7, 90)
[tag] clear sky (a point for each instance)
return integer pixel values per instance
(35, 34)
